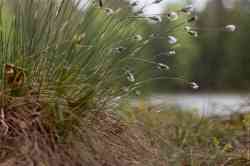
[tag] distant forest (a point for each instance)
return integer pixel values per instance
(216, 60)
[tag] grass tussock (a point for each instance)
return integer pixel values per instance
(62, 64)
(102, 138)
(71, 56)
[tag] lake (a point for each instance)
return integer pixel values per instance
(205, 103)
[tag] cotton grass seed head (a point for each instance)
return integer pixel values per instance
(172, 16)
(162, 66)
(194, 85)
(187, 9)
(230, 28)
(120, 49)
(187, 28)
(172, 40)
(109, 11)
(193, 33)
(157, 1)
(155, 19)
(171, 53)
(130, 76)
(138, 37)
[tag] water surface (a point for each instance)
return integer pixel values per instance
(205, 103)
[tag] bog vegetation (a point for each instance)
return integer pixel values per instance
(66, 69)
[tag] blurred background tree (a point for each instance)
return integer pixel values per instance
(216, 60)
(223, 60)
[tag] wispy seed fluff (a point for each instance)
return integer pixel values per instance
(109, 11)
(187, 9)
(138, 37)
(193, 33)
(230, 28)
(171, 52)
(162, 66)
(187, 28)
(194, 85)
(119, 49)
(172, 16)
(157, 1)
(155, 19)
(130, 76)
(172, 40)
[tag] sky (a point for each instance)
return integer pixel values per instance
(158, 8)
(154, 9)
(199, 5)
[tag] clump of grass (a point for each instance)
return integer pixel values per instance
(101, 138)
(75, 57)
(67, 62)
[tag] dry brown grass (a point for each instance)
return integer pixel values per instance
(28, 138)
(24, 138)
(187, 139)
(110, 141)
